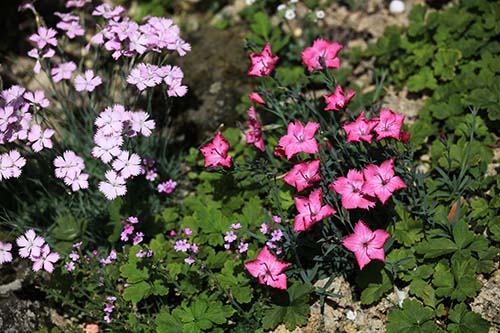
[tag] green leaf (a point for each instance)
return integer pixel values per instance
(159, 288)
(115, 219)
(423, 290)
(407, 231)
(445, 63)
(412, 318)
(462, 235)
(422, 80)
(465, 321)
(436, 247)
(443, 280)
(293, 314)
(168, 323)
(134, 274)
(136, 292)
(375, 291)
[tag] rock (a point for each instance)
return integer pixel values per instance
(21, 316)
(400, 103)
(486, 302)
(397, 7)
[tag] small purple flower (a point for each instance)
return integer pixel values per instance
(187, 231)
(182, 245)
(243, 247)
(264, 228)
(235, 226)
(128, 229)
(139, 236)
(108, 307)
(140, 254)
(276, 235)
(167, 187)
(276, 219)
(69, 266)
(194, 248)
(230, 237)
(151, 175)
(189, 260)
(132, 219)
(63, 71)
(74, 256)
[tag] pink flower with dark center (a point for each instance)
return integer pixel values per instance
(254, 133)
(5, 255)
(366, 244)
(337, 101)
(30, 245)
(276, 235)
(268, 269)
(311, 210)
(114, 186)
(262, 63)
(127, 164)
(69, 266)
(360, 129)
(87, 83)
(300, 139)
(37, 98)
(389, 125)
(40, 139)
(380, 180)
(44, 37)
(230, 237)
(46, 260)
(63, 71)
(321, 49)
(215, 152)
(352, 191)
(243, 247)
(255, 98)
(303, 175)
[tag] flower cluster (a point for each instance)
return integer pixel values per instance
(124, 37)
(183, 245)
(274, 232)
(17, 124)
(69, 167)
(34, 248)
(231, 237)
(387, 125)
(70, 24)
(359, 189)
(111, 124)
(146, 76)
(109, 306)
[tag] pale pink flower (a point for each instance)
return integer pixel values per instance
(127, 164)
(110, 121)
(63, 71)
(189, 260)
(69, 266)
(77, 181)
(268, 269)
(300, 139)
(33, 53)
(366, 244)
(389, 125)
(37, 98)
(138, 238)
(380, 180)
(40, 139)
(76, 3)
(243, 247)
(87, 83)
(276, 235)
(144, 76)
(321, 49)
(5, 255)
(264, 228)
(215, 152)
(352, 191)
(68, 165)
(107, 148)
(128, 229)
(30, 244)
(44, 37)
(230, 237)
(337, 101)
(254, 133)
(303, 175)
(262, 63)
(114, 186)
(311, 210)
(71, 28)
(360, 129)
(141, 124)
(177, 89)
(106, 11)
(11, 164)
(14, 96)
(46, 260)
(235, 226)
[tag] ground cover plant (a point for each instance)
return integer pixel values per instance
(319, 181)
